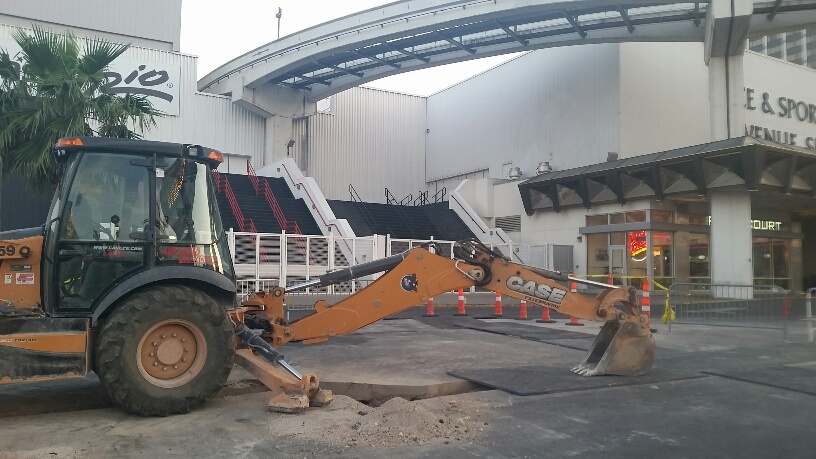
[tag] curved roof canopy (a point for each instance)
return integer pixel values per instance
(414, 34)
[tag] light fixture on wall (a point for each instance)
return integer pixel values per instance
(580, 238)
(289, 145)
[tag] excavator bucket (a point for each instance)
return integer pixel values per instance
(622, 348)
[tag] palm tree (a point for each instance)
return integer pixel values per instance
(57, 93)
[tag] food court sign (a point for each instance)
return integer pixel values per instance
(158, 82)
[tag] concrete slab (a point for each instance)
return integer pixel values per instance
(793, 378)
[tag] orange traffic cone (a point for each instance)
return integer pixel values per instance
(497, 311)
(574, 320)
(460, 311)
(430, 310)
(523, 311)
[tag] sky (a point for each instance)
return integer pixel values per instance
(218, 32)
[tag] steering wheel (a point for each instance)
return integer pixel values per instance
(96, 227)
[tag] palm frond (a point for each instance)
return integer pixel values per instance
(98, 55)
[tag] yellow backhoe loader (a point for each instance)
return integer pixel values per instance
(131, 277)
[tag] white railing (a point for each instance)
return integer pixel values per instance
(266, 260)
(485, 234)
(809, 312)
(286, 259)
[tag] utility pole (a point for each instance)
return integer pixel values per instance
(280, 13)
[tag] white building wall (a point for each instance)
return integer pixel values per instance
(371, 139)
(149, 23)
(559, 105)
(663, 97)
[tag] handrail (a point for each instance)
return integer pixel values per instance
(389, 197)
(253, 177)
(216, 178)
(311, 200)
(353, 194)
(422, 199)
(236, 210)
(275, 206)
(437, 198)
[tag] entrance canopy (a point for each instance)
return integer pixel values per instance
(742, 162)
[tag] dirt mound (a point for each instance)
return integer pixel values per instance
(347, 423)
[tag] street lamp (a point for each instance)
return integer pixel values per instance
(280, 13)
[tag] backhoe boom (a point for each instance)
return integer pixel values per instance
(625, 345)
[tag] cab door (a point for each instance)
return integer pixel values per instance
(101, 232)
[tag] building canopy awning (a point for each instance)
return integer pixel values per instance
(742, 162)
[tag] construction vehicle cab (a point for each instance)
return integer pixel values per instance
(133, 227)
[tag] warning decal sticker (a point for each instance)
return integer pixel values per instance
(24, 278)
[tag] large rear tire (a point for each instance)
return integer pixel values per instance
(165, 350)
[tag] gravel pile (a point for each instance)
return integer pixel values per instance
(346, 423)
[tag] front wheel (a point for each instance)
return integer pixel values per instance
(165, 350)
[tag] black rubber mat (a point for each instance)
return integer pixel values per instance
(797, 379)
(549, 379)
(554, 336)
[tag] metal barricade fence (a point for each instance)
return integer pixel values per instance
(754, 306)
(809, 312)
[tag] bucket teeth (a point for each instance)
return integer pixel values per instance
(585, 370)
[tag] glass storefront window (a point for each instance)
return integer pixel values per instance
(661, 216)
(596, 220)
(699, 259)
(615, 219)
(598, 256)
(636, 259)
(636, 216)
(662, 258)
(772, 259)
(617, 238)
(699, 219)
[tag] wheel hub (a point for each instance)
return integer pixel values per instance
(171, 353)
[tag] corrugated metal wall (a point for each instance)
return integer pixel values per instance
(206, 119)
(559, 105)
(372, 139)
(663, 97)
(152, 23)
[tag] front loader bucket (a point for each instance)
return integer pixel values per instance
(625, 349)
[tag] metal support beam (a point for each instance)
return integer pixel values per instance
(613, 181)
(626, 20)
(583, 192)
(340, 69)
(376, 59)
(295, 86)
(698, 176)
(456, 43)
(512, 34)
(552, 193)
(791, 174)
(655, 183)
(574, 24)
(774, 10)
(311, 79)
(407, 53)
(753, 164)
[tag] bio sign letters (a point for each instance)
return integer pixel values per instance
(159, 82)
